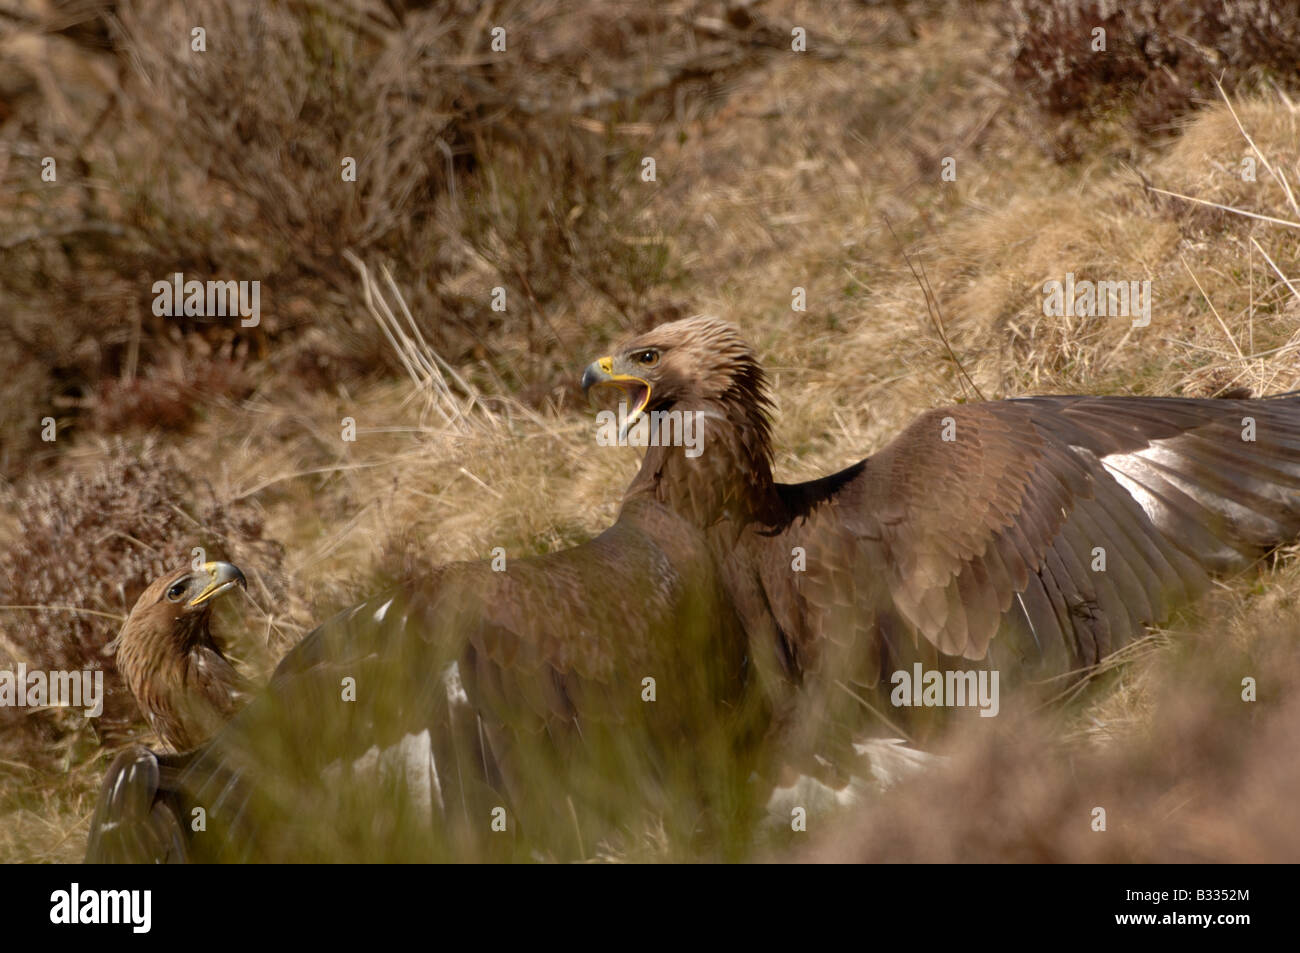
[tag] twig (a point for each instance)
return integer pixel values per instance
(1226, 208)
(58, 231)
(1286, 281)
(871, 708)
(936, 315)
(107, 615)
(1231, 339)
(1290, 196)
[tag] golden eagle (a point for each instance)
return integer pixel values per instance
(536, 709)
(185, 686)
(1029, 536)
(186, 689)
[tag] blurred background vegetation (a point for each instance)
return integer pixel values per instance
(522, 170)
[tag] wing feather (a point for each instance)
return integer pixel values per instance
(991, 535)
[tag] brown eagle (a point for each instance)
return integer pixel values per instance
(476, 710)
(186, 689)
(1031, 536)
(185, 686)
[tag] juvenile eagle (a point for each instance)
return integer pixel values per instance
(187, 690)
(185, 687)
(470, 713)
(1031, 535)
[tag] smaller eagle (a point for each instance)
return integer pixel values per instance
(187, 690)
(546, 702)
(185, 686)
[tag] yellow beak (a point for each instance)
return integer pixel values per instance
(601, 373)
(222, 577)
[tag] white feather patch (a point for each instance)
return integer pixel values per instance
(455, 688)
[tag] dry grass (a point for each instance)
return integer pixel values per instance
(775, 171)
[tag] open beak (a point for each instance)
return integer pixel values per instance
(636, 390)
(222, 577)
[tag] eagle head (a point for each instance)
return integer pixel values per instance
(170, 620)
(166, 652)
(177, 607)
(693, 364)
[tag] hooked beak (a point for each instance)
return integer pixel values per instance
(636, 390)
(222, 577)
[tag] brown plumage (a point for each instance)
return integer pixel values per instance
(396, 729)
(185, 687)
(187, 690)
(976, 537)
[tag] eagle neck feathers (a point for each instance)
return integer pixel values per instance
(730, 479)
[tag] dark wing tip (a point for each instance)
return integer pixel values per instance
(133, 823)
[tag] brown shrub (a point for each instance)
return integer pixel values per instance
(1160, 58)
(166, 398)
(473, 169)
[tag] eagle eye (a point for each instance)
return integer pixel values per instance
(647, 358)
(177, 590)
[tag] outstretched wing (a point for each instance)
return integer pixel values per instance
(1036, 534)
(474, 713)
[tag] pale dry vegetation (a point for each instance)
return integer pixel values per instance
(775, 170)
